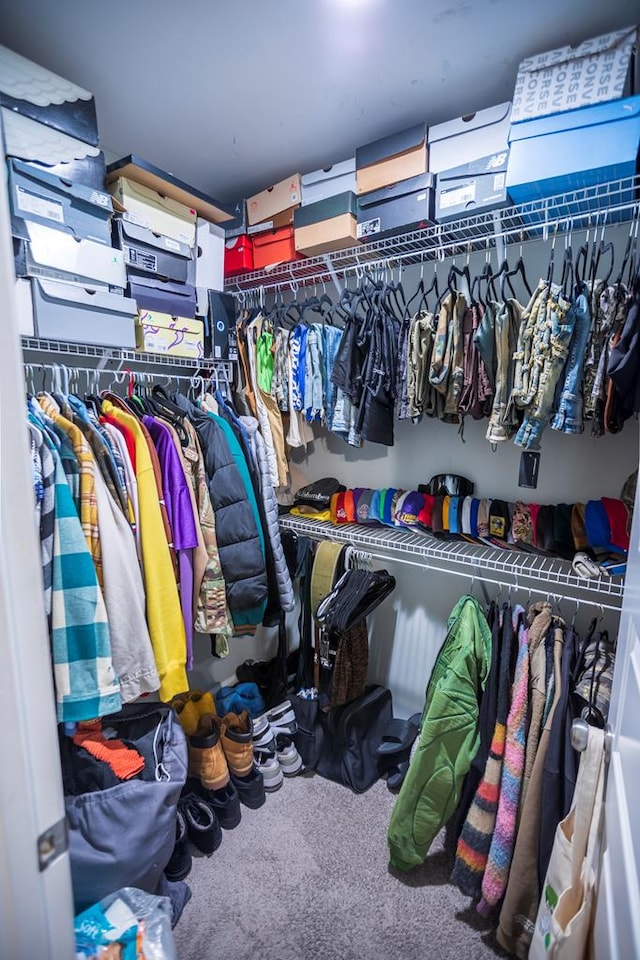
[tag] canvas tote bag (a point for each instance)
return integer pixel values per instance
(565, 912)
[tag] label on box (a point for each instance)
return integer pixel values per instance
(260, 227)
(172, 244)
(143, 261)
(40, 206)
(368, 228)
(154, 345)
(498, 181)
(134, 218)
(458, 196)
(421, 197)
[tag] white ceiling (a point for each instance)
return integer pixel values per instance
(233, 95)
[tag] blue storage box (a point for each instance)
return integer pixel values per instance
(573, 150)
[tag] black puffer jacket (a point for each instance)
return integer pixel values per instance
(240, 544)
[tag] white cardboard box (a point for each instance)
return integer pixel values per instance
(468, 138)
(51, 253)
(209, 255)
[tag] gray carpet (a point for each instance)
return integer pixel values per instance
(307, 876)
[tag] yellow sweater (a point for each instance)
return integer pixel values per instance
(164, 614)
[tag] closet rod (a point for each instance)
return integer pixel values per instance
(479, 576)
(404, 545)
(117, 376)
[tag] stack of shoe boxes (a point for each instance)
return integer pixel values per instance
(270, 216)
(575, 121)
(326, 220)
(174, 254)
(469, 157)
(394, 185)
(70, 281)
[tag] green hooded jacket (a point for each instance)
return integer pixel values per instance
(449, 736)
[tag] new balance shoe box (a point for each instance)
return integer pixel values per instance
(163, 296)
(73, 208)
(209, 263)
(569, 151)
(174, 336)
(136, 170)
(238, 255)
(154, 211)
(329, 182)
(238, 224)
(66, 311)
(472, 137)
(33, 91)
(599, 70)
(276, 246)
(385, 162)
(475, 187)
(220, 327)
(404, 206)
(54, 152)
(59, 256)
(326, 225)
(469, 156)
(153, 254)
(24, 307)
(281, 198)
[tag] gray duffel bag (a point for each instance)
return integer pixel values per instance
(122, 833)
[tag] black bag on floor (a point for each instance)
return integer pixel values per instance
(351, 736)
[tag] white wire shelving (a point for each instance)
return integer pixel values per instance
(548, 576)
(108, 356)
(601, 204)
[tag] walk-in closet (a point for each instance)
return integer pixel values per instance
(320, 552)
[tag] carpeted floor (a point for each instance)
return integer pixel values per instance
(307, 876)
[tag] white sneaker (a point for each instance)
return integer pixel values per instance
(265, 754)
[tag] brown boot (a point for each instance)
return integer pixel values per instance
(236, 733)
(192, 705)
(207, 761)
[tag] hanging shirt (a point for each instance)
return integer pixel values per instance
(121, 453)
(85, 681)
(180, 513)
(164, 615)
(86, 463)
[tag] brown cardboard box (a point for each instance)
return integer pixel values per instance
(387, 161)
(283, 219)
(327, 235)
(274, 200)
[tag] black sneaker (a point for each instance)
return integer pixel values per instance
(250, 788)
(225, 802)
(203, 828)
(180, 862)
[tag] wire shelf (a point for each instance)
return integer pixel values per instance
(603, 203)
(120, 356)
(505, 567)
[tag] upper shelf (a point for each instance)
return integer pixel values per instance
(553, 576)
(603, 203)
(117, 355)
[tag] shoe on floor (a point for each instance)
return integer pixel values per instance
(207, 759)
(225, 803)
(203, 828)
(289, 759)
(251, 788)
(180, 862)
(265, 754)
(190, 706)
(283, 720)
(236, 736)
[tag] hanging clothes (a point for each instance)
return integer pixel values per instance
(239, 541)
(181, 519)
(448, 737)
(164, 613)
(520, 905)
